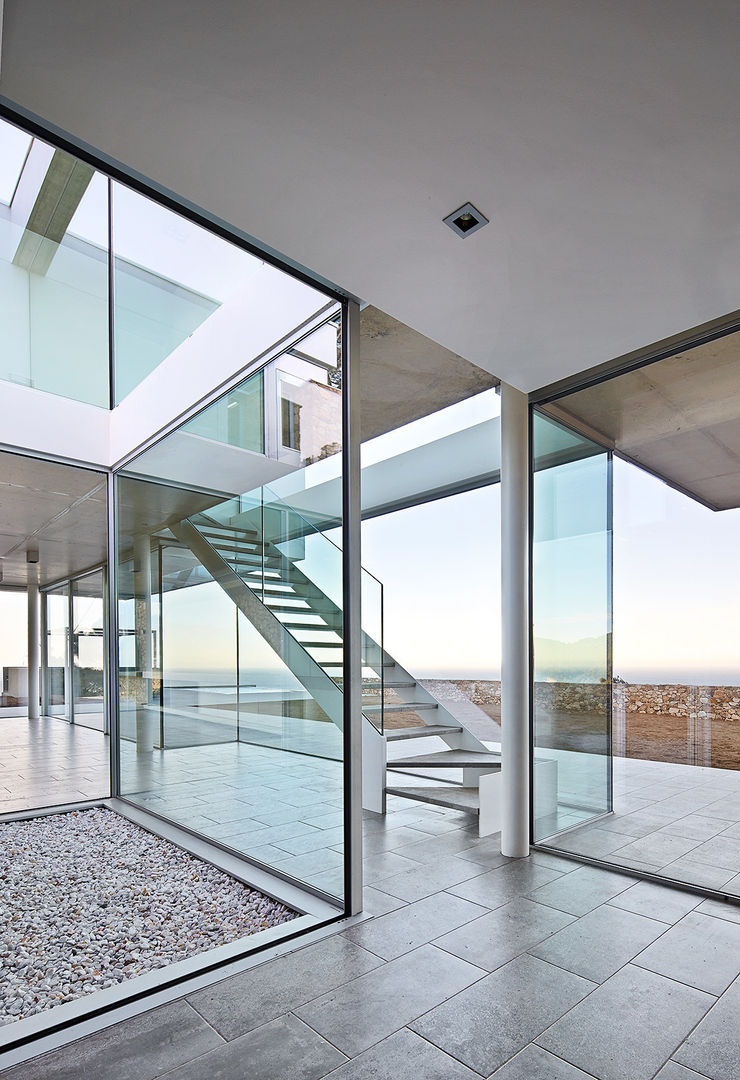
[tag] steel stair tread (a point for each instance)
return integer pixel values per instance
(449, 759)
(455, 798)
(322, 645)
(424, 732)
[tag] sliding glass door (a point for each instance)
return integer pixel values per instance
(572, 626)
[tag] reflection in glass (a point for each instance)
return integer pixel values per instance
(58, 675)
(231, 628)
(53, 272)
(571, 579)
(88, 651)
(171, 278)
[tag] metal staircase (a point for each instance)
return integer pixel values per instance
(305, 627)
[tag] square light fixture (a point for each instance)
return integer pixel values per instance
(465, 220)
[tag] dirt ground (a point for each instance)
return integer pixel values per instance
(639, 735)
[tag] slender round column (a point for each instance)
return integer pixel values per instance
(34, 643)
(143, 640)
(515, 622)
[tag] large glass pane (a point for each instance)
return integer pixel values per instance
(53, 271)
(58, 674)
(232, 722)
(13, 656)
(171, 278)
(675, 428)
(88, 651)
(571, 627)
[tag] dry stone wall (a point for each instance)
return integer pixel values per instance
(715, 702)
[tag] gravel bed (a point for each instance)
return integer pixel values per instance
(87, 900)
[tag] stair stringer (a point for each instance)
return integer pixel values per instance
(311, 675)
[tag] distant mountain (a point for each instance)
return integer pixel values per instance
(580, 661)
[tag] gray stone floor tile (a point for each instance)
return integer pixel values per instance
(488, 855)
(425, 849)
(246, 1001)
(582, 890)
(137, 1049)
(697, 827)
(496, 887)
(407, 928)
(658, 849)
(426, 880)
(637, 824)
(555, 862)
(673, 1071)
(534, 1063)
(713, 1049)
(733, 885)
(599, 943)
(628, 1027)
(385, 864)
(331, 820)
(391, 840)
(312, 862)
(659, 902)
(491, 1021)
(363, 1012)
(721, 851)
(696, 873)
(720, 909)
(597, 842)
(700, 951)
(311, 841)
(284, 1049)
(379, 903)
(403, 1056)
(496, 938)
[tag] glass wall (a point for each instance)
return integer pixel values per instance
(89, 661)
(571, 592)
(13, 652)
(58, 674)
(172, 280)
(231, 627)
(674, 426)
(53, 271)
(177, 287)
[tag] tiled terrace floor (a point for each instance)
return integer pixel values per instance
(285, 809)
(49, 762)
(473, 965)
(681, 821)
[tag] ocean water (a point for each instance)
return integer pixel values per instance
(280, 678)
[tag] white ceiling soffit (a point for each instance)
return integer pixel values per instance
(599, 139)
(678, 418)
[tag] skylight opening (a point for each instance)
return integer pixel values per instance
(14, 147)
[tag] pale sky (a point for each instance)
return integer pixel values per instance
(676, 582)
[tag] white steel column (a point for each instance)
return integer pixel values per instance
(143, 637)
(515, 622)
(34, 642)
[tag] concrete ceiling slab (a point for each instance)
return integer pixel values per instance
(678, 418)
(57, 510)
(600, 140)
(391, 357)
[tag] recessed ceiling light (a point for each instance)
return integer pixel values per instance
(465, 220)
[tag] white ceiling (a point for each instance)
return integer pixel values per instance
(601, 139)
